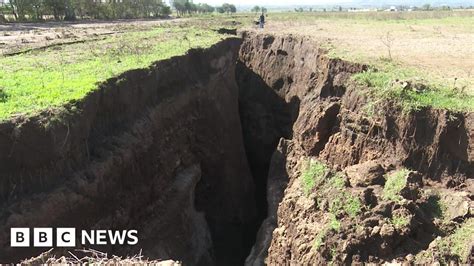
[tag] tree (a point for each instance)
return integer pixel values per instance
(255, 9)
(21, 8)
(220, 9)
(38, 8)
(162, 10)
(232, 8)
(426, 7)
(264, 10)
(205, 8)
(228, 8)
(69, 11)
(180, 6)
(55, 7)
(110, 9)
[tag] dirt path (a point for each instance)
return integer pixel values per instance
(24, 36)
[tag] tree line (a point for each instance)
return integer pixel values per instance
(34, 10)
(187, 7)
(23, 10)
(257, 9)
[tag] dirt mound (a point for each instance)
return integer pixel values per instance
(345, 186)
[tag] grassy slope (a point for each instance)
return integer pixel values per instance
(39, 80)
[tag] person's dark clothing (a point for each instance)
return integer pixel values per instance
(262, 21)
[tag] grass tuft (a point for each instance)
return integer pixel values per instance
(313, 172)
(352, 206)
(456, 246)
(334, 223)
(459, 243)
(318, 241)
(394, 184)
(400, 220)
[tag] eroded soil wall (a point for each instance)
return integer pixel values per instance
(159, 150)
(326, 112)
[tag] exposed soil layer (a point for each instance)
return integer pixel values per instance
(346, 213)
(205, 155)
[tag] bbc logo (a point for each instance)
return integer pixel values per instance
(42, 237)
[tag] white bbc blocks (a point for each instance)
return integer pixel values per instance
(42, 237)
(20, 237)
(66, 237)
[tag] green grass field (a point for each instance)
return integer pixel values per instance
(43, 79)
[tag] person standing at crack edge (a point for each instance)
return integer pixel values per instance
(262, 21)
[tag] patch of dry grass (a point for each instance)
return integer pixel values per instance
(90, 256)
(439, 45)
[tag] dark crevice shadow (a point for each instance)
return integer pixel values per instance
(265, 119)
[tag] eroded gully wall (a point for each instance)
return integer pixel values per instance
(158, 150)
(319, 112)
